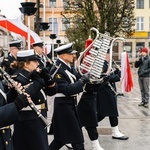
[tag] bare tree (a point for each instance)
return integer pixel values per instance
(113, 16)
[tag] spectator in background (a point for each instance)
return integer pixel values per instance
(143, 65)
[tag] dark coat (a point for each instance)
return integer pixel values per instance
(106, 97)
(6, 64)
(45, 63)
(144, 66)
(8, 115)
(87, 109)
(66, 126)
(29, 132)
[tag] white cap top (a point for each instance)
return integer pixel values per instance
(65, 49)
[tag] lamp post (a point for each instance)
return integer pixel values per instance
(52, 35)
(28, 8)
(58, 42)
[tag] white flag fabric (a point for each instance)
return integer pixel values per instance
(16, 26)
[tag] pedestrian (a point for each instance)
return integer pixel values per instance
(9, 114)
(65, 123)
(107, 101)
(30, 131)
(143, 65)
(44, 60)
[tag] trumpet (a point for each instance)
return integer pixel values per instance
(31, 104)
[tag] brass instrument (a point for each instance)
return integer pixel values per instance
(31, 104)
(92, 58)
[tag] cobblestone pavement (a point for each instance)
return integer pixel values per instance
(134, 122)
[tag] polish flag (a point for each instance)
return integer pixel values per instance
(126, 74)
(16, 26)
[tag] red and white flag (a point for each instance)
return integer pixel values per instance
(126, 74)
(16, 26)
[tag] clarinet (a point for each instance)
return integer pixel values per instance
(31, 104)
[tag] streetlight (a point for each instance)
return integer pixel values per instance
(28, 9)
(53, 35)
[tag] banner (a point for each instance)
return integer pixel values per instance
(126, 74)
(14, 25)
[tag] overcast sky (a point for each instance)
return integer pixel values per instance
(10, 8)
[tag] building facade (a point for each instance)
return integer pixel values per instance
(50, 11)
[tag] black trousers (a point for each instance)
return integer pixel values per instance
(92, 132)
(56, 145)
(113, 120)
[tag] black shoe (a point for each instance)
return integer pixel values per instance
(141, 104)
(121, 138)
(146, 105)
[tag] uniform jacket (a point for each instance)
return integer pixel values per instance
(144, 66)
(44, 62)
(106, 97)
(8, 115)
(6, 64)
(87, 109)
(29, 132)
(66, 125)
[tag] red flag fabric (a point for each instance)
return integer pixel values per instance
(126, 74)
(13, 25)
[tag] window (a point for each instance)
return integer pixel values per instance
(65, 23)
(65, 2)
(52, 3)
(139, 4)
(128, 48)
(140, 23)
(54, 25)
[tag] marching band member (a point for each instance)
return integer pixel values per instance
(107, 101)
(29, 132)
(15, 46)
(9, 114)
(43, 58)
(88, 114)
(65, 123)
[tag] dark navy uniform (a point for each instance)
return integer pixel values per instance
(106, 97)
(44, 61)
(29, 123)
(8, 114)
(6, 64)
(14, 47)
(30, 131)
(66, 126)
(87, 106)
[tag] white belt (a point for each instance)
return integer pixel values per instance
(41, 106)
(63, 95)
(7, 127)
